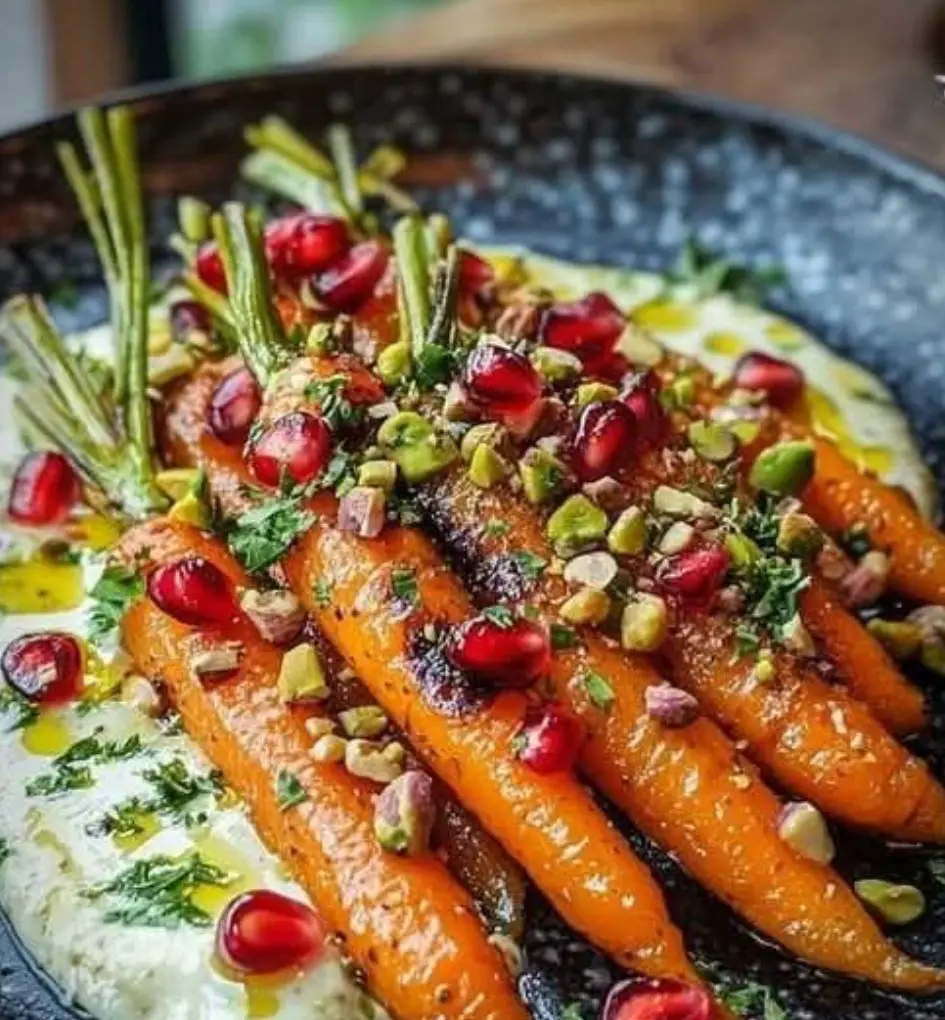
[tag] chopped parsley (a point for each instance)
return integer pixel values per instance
(501, 616)
(403, 582)
(563, 638)
(289, 791)
(71, 770)
(336, 409)
(158, 892)
(11, 700)
(532, 566)
(753, 997)
(598, 690)
(402, 509)
(322, 592)
(340, 474)
(709, 273)
(496, 529)
(61, 780)
(436, 364)
(572, 1012)
(263, 535)
(123, 821)
(111, 596)
(771, 586)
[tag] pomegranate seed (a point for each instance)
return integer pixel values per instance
(209, 267)
(779, 380)
(643, 398)
(234, 406)
(352, 279)
(296, 447)
(695, 574)
(514, 654)
(501, 381)
(45, 668)
(604, 438)
(194, 591)
(475, 274)
(656, 999)
(43, 490)
(188, 317)
(551, 739)
(588, 328)
(262, 931)
(304, 243)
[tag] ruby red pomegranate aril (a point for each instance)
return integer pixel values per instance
(44, 489)
(294, 448)
(352, 279)
(550, 739)
(588, 328)
(656, 999)
(304, 243)
(208, 265)
(504, 655)
(603, 440)
(696, 574)
(263, 932)
(234, 406)
(475, 274)
(501, 381)
(45, 668)
(194, 591)
(642, 396)
(780, 381)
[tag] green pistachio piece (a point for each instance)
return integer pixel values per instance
(902, 640)
(589, 606)
(487, 468)
(404, 814)
(411, 441)
(680, 392)
(378, 474)
(491, 434)
(799, 536)
(745, 430)
(644, 623)
(177, 482)
(594, 393)
(320, 339)
(712, 441)
(575, 524)
(393, 363)
(365, 721)
(742, 549)
(639, 347)
(783, 469)
(554, 365)
(543, 475)
(191, 509)
(933, 657)
(628, 535)
(301, 676)
(895, 904)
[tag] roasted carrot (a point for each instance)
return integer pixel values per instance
(405, 921)
(862, 663)
(688, 789)
(549, 824)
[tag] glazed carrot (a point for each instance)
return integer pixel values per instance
(688, 789)
(549, 824)
(405, 921)
(864, 666)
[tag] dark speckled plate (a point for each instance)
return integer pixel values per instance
(584, 170)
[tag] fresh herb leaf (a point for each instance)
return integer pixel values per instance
(598, 690)
(111, 596)
(709, 273)
(532, 566)
(5, 850)
(25, 713)
(572, 1012)
(323, 593)
(753, 997)
(563, 638)
(289, 791)
(402, 509)
(496, 529)
(263, 535)
(158, 892)
(435, 364)
(340, 474)
(403, 583)
(123, 821)
(501, 616)
(336, 409)
(61, 780)
(71, 770)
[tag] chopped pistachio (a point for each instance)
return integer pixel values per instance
(319, 726)
(140, 693)
(670, 705)
(320, 339)
(378, 474)
(895, 904)
(783, 469)
(679, 503)
(490, 433)
(177, 482)
(639, 347)
(404, 814)
(866, 582)
(393, 363)
(277, 615)
(803, 828)
(191, 509)
(487, 468)
(329, 749)
(457, 406)
(644, 623)
(628, 535)
(576, 524)
(678, 536)
(172, 364)
(367, 721)
(901, 639)
(301, 676)
(543, 475)
(592, 570)
(797, 638)
(411, 441)
(745, 430)
(594, 392)
(607, 493)
(799, 536)
(764, 671)
(555, 365)
(371, 761)
(681, 391)
(742, 550)
(205, 661)
(589, 606)
(712, 441)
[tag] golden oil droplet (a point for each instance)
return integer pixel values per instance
(38, 586)
(785, 335)
(48, 736)
(729, 345)
(149, 825)
(666, 316)
(262, 997)
(95, 531)
(213, 850)
(827, 420)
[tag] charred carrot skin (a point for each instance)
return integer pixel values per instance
(405, 920)
(862, 663)
(686, 788)
(549, 824)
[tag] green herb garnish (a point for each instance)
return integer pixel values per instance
(289, 791)
(572, 1012)
(709, 273)
(111, 597)
(598, 690)
(336, 409)
(63, 780)
(496, 529)
(323, 593)
(5, 850)
(532, 566)
(263, 535)
(25, 712)
(563, 638)
(752, 997)
(501, 616)
(403, 583)
(71, 770)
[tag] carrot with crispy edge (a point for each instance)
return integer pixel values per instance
(549, 824)
(864, 666)
(687, 788)
(405, 921)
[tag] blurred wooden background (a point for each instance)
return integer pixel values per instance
(865, 65)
